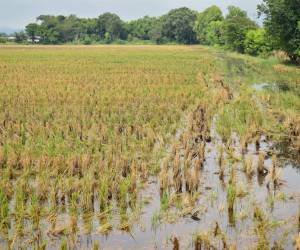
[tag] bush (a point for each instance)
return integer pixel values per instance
(107, 38)
(214, 33)
(119, 41)
(2, 40)
(87, 40)
(256, 43)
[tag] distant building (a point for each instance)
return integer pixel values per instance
(36, 39)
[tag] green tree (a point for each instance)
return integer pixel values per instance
(178, 25)
(3, 40)
(141, 28)
(20, 37)
(32, 30)
(208, 21)
(49, 30)
(68, 28)
(111, 24)
(214, 33)
(257, 42)
(282, 23)
(88, 26)
(108, 38)
(60, 29)
(156, 33)
(236, 25)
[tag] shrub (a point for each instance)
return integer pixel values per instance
(2, 40)
(256, 43)
(87, 40)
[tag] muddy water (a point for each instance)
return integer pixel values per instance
(260, 86)
(270, 86)
(212, 204)
(281, 206)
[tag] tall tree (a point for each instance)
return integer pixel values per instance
(203, 23)
(111, 25)
(20, 37)
(59, 29)
(68, 28)
(88, 26)
(141, 28)
(178, 25)
(215, 33)
(48, 28)
(156, 32)
(282, 23)
(236, 26)
(32, 30)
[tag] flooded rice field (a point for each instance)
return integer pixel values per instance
(170, 148)
(265, 205)
(209, 217)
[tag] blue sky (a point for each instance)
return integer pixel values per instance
(17, 13)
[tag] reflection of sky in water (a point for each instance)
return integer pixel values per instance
(185, 228)
(264, 85)
(291, 175)
(212, 205)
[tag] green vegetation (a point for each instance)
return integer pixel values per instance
(236, 25)
(282, 22)
(235, 31)
(98, 140)
(178, 24)
(206, 25)
(257, 43)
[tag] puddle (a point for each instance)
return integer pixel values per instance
(263, 86)
(271, 86)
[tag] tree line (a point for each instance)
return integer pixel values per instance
(235, 30)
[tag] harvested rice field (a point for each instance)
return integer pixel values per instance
(148, 147)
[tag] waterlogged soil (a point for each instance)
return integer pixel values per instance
(276, 87)
(157, 228)
(212, 207)
(152, 231)
(157, 221)
(261, 86)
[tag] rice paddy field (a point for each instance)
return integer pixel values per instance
(148, 147)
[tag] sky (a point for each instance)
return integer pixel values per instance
(15, 14)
